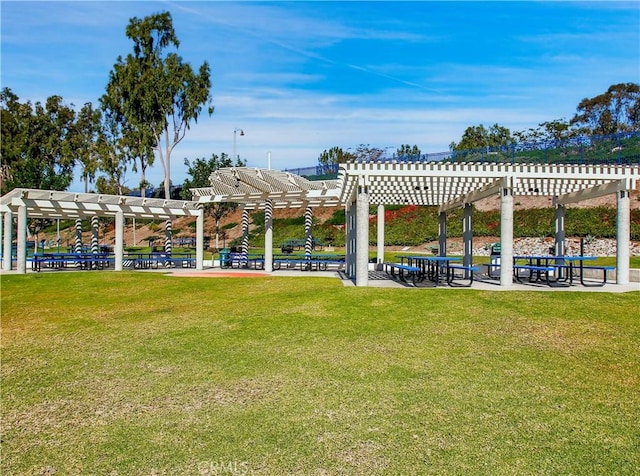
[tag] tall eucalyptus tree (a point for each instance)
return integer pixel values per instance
(616, 110)
(155, 92)
(88, 127)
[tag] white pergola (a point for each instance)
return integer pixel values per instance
(264, 189)
(32, 203)
(454, 185)
(359, 186)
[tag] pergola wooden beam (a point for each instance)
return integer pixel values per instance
(54, 204)
(593, 192)
(489, 190)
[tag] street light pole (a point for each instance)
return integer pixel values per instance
(234, 142)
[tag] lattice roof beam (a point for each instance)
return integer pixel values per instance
(54, 204)
(593, 192)
(481, 193)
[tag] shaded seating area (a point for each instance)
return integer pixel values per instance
(361, 186)
(20, 204)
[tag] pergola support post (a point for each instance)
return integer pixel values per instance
(362, 238)
(245, 232)
(7, 254)
(21, 239)
(94, 234)
(78, 238)
(119, 244)
(467, 235)
(506, 237)
(94, 238)
(350, 257)
(168, 237)
(200, 240)
(442, 234)
(380, 239)
(2, 232)
(560, 233)
(268, 236)
(623, 238)
(308, 231)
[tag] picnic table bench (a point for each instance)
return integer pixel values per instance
(156, 260)
(536, 273)
(412, 272)
(435, 269)
(458, 272)
(571, 271)
(319, 262)
(291, 245)
(86, 261)
(557, 270)
(604, 269)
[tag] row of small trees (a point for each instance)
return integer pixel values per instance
(151, 98)
(614, 111)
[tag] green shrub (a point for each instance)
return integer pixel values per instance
(338, 217)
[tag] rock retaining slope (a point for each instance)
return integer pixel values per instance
(544, 246)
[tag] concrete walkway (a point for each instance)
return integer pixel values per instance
(377, 279)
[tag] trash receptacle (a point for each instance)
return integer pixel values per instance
(224, 258)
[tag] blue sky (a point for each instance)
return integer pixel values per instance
(302, 77)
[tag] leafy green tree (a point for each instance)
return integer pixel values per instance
(477, 137)
(37, 145)
(14, 125)
(616, 110)
(556, 131)
(531, 135)
(114, 156)
(135, 144)
(88, 127)
(409, 152)
(199, 172)
(334, 156)
(155, 92)
(499, 136)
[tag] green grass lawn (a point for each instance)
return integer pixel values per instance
(142, 373)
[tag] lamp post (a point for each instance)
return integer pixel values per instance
(234, 141)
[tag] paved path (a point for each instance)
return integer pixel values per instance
(377, 279)
(380, 279)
